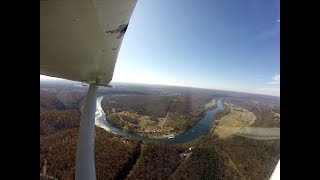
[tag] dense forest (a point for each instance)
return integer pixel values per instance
(112, 154)
(157, 161)
(126, 158)
(52, 121)
(150, 105)
(61, 99)
(245, 158)
(204, 163)
(156, 105)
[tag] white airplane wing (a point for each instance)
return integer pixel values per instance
(80, 39)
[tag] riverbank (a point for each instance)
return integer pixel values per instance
(199, 128)
(143, 117)
(210, 105)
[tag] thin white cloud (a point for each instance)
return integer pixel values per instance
(274, 82)
(274, 87)
(276, 79)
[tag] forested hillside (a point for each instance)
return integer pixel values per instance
(125, 158)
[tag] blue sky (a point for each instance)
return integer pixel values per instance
(218, 44)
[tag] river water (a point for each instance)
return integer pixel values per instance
(201, 128)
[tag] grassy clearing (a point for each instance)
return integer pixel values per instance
(233, 122)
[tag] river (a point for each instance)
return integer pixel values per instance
(200, 128)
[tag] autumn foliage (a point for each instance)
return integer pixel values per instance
(117, 158)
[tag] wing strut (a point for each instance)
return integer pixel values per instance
(85, 163)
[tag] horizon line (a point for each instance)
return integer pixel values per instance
(54, 78)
